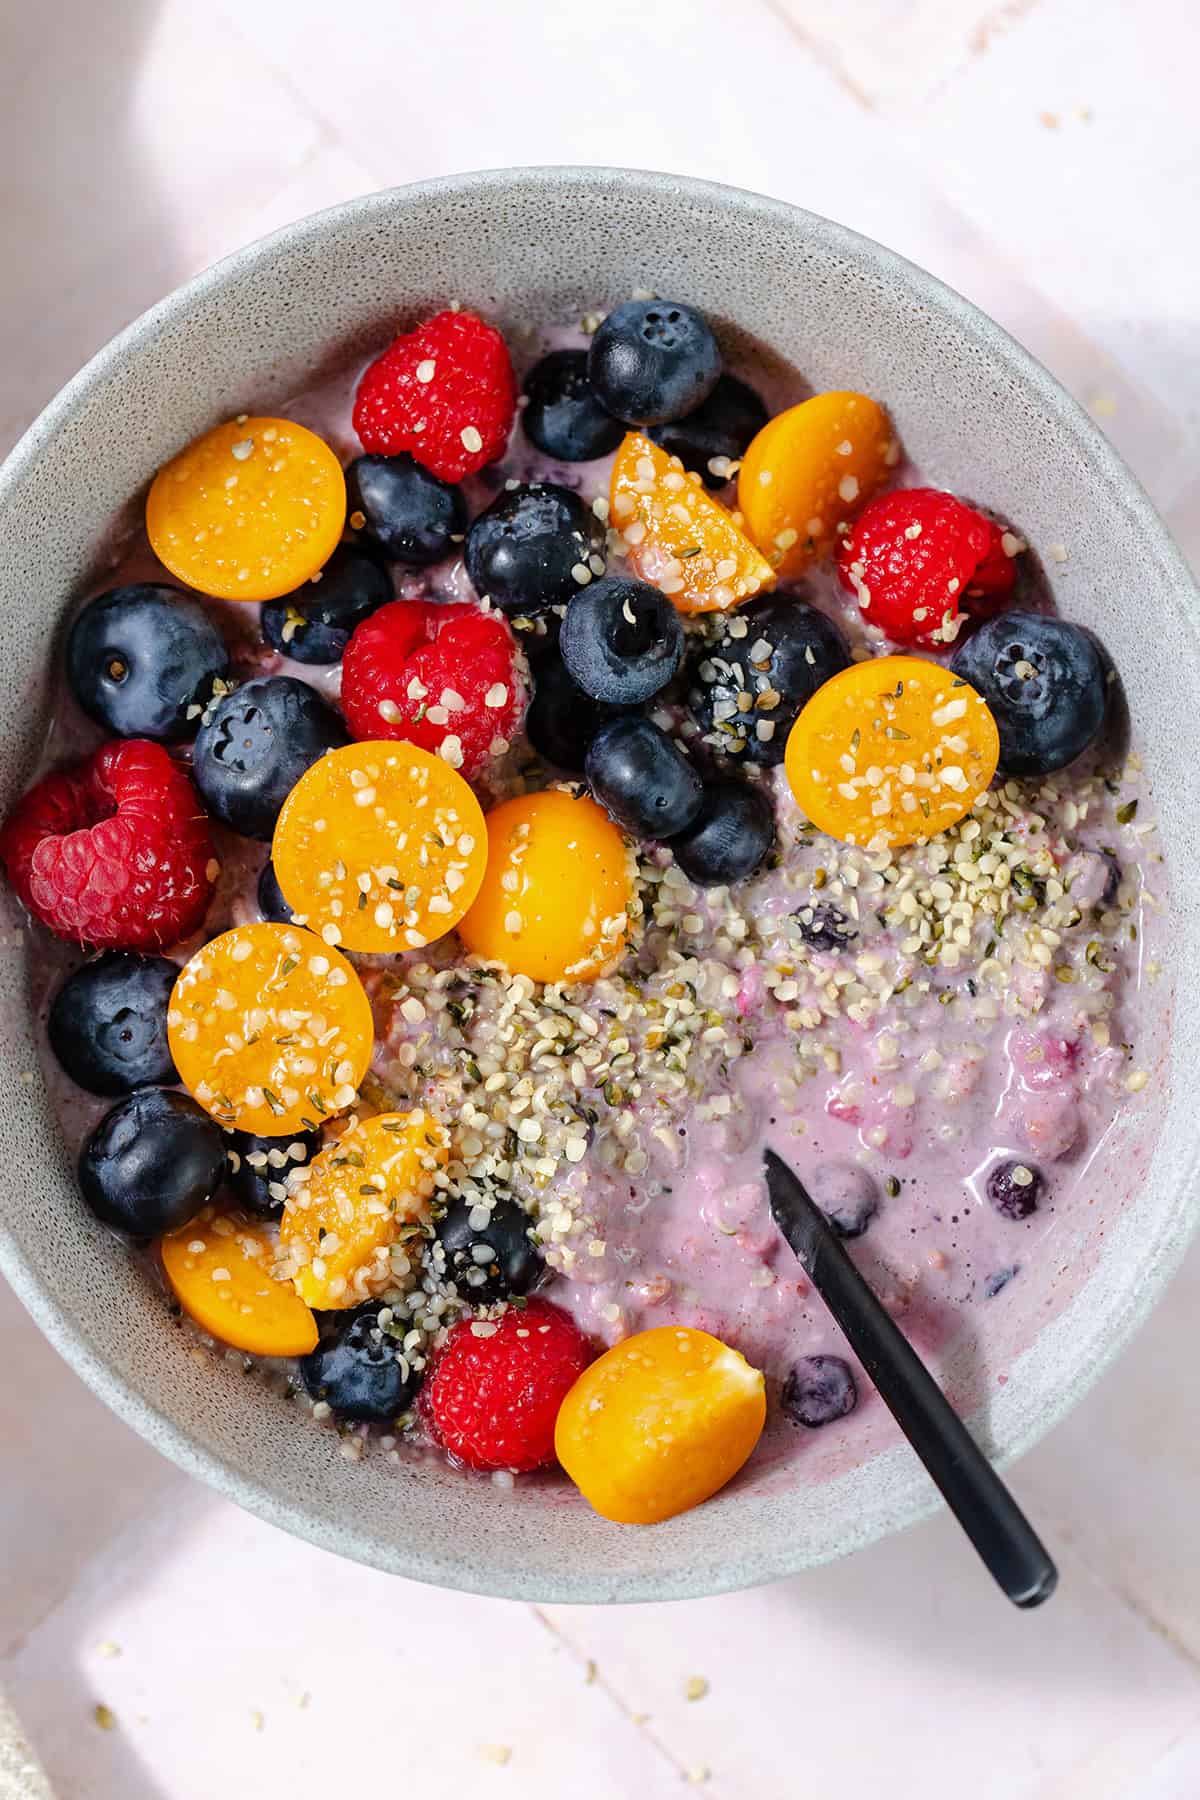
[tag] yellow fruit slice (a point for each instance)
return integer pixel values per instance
(249, 511)
(659, 1423)
(219, 1269)
(380, 847)
(554, 904)
(677, 536)
(351, 1203)
(808, 470)
(270, 1029)
(891, 752)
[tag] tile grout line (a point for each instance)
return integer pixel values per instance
(1002, 18)
(1128, 1601)
(1168, 1750)
(328, 135)
(1148, 1617)
(819, 53)
(1007, 15)
(637, 1720)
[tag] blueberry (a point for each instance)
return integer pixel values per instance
(730, 838)
(653, 360)
(140, 657)
(563, 416)
(1093, 879)
(721, 426)
(562, 720)
(522, 552)
(108, 1023)
(1015, 1188)
(622, 641)
(493, 1261)
(783, 647)
(1113, 877)
(152, 1163)
(256, 746)
(1045, 683)
(846, 1194)
(271, 903)
(359, 1369)
(314, 624)
(409, 514)
(824, 927)
(258, 1167)
(642, 779)
(999, 1280)
(818, 1390)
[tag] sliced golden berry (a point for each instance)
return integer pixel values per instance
(891, 752)
(678, 537)
(808, 470)
(219, 1267)
(659, 1423)
(270, 1029)
(354, 1201)
(251, 510)
(380, 846)
(554, 904)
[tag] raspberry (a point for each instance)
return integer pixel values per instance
(444, 677)
(918, 558)
(493, 1396)
(995, 575)
(113, 851)
(445, 392)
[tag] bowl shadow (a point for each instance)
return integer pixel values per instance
(68, 144)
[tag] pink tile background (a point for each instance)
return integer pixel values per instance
(1040, 155)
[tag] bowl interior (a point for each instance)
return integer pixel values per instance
(529, 249)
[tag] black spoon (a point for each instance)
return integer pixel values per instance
(970, 1486)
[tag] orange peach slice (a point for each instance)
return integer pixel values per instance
(808, 471)
(380, 846)
(219, 1269)
(659, 1423)
(677, 536)
(251, 510)
(554, 904)
(270, 1029)
(891, 752)
(351, 1203)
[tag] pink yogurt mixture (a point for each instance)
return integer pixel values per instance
(865, 1065)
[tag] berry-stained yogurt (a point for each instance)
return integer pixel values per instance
(692, 777)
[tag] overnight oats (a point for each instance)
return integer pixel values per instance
(481, 816)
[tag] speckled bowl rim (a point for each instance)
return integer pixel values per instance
(759, 1563)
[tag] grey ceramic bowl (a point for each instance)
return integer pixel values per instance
(527, 248)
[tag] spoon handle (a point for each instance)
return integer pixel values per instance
(972, 1489)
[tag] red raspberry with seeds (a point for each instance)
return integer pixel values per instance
(114, 851)
(918, 559)
(445, 677)
(445, 392)
(497, 1384)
